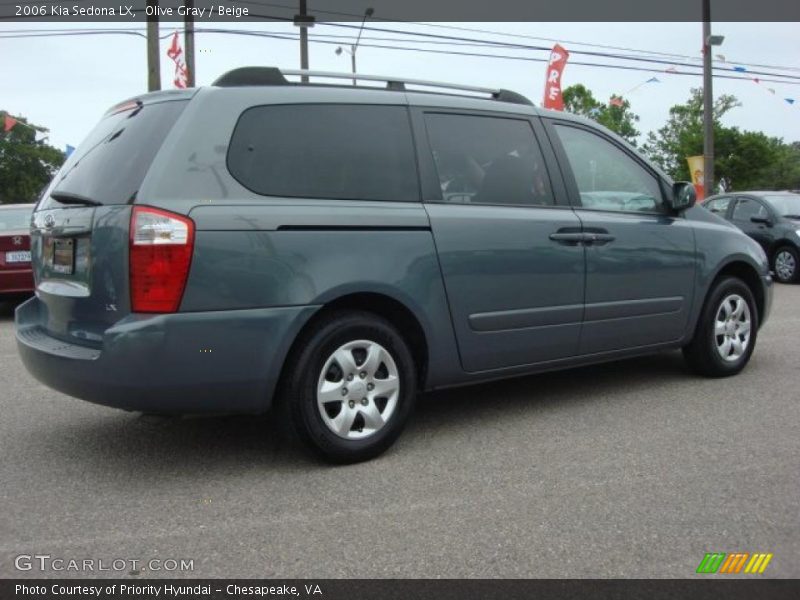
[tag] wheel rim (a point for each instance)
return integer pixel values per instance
(732, 328)
(785, 265)
(358, 389)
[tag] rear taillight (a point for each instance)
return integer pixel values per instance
(160, 255)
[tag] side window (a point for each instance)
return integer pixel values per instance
(719, 206)
(746, 208)
(348, 152)
(607, 178)
(488, 160)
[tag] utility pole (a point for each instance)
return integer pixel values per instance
(302, 21)
(188, 37)
(708, 104)
(153, 57)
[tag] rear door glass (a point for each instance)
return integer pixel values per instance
(488, 160)
(110, 165)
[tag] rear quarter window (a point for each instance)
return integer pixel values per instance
(357, 152)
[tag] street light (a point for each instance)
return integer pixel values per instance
(353, 47)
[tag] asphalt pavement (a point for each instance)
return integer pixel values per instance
(633, 469)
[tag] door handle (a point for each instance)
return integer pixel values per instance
(598, 239)
(587, 238)
(570, 239)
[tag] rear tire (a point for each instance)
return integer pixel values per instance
(786, 264)
(349, 387)
(726, 332)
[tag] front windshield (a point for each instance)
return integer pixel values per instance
(15, 218)
(787, 205)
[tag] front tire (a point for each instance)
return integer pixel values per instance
(350, 387)
(726, 333)
(786, 264)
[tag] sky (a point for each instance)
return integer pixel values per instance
(67, 83)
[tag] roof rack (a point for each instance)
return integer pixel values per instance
(246, 76)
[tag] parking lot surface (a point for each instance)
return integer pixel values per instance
(633, 469)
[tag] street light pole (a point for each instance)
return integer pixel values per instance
(708, 104)
(354, 47)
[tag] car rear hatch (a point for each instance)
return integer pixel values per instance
(81, 227)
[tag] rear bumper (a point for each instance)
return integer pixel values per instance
(183, 363)
(16, 281)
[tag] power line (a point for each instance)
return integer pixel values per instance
(292, 37)
(580, 52)
(512, 35)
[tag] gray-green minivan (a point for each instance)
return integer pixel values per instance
(339, 249)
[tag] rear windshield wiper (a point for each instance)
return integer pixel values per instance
(67, 198)
(792, 216)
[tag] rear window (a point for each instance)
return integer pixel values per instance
(109, 166)
(15, 218)
(357, 152)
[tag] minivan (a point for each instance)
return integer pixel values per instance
(332, 250)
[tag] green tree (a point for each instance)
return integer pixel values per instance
(743, 160)
(26, 165)
(682, 135)
(618, 117)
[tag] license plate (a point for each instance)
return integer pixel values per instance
(18, 257)
(63, 256)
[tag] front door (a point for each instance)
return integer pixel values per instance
(506, 239)
(640, 258)
(743, 212)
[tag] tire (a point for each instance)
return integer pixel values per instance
(786, 264)
(719, 324)
(321, 369)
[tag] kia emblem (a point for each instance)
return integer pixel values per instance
(17, 240)
(49, 221)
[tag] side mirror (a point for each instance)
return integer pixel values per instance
(761, 220)
(683, 196)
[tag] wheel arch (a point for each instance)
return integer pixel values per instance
(395, 311)
(780, 245)
(749, 274)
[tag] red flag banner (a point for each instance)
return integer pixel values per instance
(552, 84)
(175, 52)
(8, 123)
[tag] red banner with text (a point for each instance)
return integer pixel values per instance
(552, 84)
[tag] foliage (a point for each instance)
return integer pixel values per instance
(682, 135)
(743, 160)
(619, 119)
(26, 165)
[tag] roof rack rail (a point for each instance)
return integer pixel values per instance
(245, 76)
